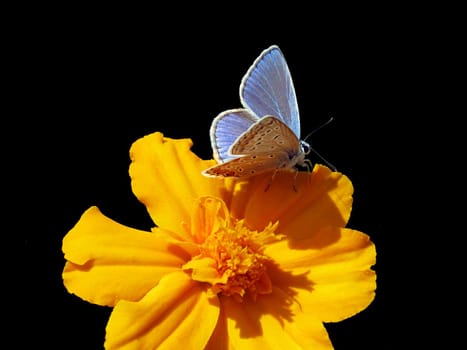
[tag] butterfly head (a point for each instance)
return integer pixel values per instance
(305, 147)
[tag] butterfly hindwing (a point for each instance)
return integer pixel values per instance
(249, 165)
(267, 135)
(226, 128)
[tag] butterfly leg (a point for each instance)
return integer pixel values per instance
(295, 180)
(274, 175)
(309, 167)
(271, 180)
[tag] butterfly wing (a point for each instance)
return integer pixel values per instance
(249, 165)
(226, 128)
(268, 135)
(267, 89)
(267, 145)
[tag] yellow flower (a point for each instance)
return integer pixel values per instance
(230, 265)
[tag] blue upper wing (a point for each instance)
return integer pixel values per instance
(267, 89)
(226, 128)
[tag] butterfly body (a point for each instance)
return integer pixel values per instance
(265, 134)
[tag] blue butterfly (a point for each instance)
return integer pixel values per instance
(265, 134)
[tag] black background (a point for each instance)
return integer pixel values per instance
(86, 88)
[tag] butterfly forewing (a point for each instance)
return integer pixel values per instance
(267, 89)
(268, 135)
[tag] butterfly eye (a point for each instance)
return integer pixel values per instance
(305, 147)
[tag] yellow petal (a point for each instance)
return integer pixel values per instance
(108, 261)
(272, 322)
(220, 337)
(177, 314)
(340, 281)
(308, 331)
(166, 177)
(204, 270)
(207, 213)
(322, 198)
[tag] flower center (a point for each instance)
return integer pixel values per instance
(239, 259)
(231, 257)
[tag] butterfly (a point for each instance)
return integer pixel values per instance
(264, 135)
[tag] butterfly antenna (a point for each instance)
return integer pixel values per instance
(319, 128)
(332, 167)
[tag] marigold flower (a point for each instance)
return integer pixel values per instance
(229, 265)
